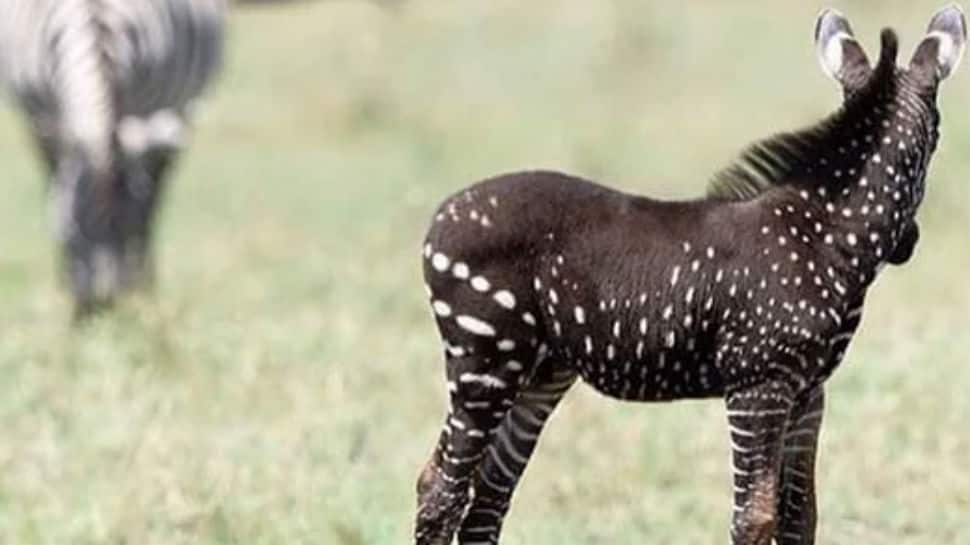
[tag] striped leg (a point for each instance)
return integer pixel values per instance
(480, 398)
(796, 503)
(489, 358)
(757, 417)
(492, 348)
(509, 451)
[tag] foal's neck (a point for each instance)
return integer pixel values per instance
(871, 179)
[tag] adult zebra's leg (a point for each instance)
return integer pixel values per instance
(482, 385)
(46, 147)
(757, 417)
(509, 450)
(144, 188)
(796, 502)
(86, 209)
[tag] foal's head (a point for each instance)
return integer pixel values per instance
(905, 94)
(843, 58)
(862, 169)
(935, 58)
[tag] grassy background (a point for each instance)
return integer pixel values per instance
(285, 383)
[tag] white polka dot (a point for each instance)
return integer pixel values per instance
(506, 345)
(505, 298)
(441, 308)
(460, 270)
(674, 276)
(580, 315)
(479, 283)
(440, 261)
(474, 325)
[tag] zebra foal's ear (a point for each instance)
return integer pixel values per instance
(940, 51)
(840, 55)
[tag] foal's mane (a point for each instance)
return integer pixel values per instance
(791, 156)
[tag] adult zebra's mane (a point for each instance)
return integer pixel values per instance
(790, 157)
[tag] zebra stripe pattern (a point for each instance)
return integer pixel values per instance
(107, 87)
(512, 443)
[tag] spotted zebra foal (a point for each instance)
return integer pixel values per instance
(751, 294)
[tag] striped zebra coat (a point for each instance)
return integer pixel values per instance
(107, 88)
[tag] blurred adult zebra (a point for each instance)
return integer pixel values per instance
(107, 88)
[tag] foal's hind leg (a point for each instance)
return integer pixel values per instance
(489, 355)
(480, 397)
(796, 502)
(509, 451)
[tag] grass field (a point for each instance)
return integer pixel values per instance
(284, 384)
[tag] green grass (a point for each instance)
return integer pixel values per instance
(285, 384)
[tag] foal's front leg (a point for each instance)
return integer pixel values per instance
(796, 502)
(757, 417)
